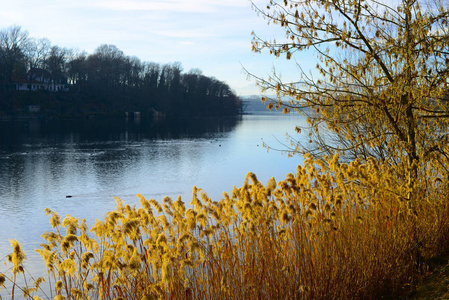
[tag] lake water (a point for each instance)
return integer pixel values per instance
(41, 162)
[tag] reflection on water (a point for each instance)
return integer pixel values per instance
(41, 162)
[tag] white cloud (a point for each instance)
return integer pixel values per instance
(186, 6)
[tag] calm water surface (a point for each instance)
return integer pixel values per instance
(41, 162)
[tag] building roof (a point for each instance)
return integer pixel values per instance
(38, 72)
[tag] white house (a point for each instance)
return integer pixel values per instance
(39, 79)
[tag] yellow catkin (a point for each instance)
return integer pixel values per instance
(2, 279)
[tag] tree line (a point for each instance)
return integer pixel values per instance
(105, 82)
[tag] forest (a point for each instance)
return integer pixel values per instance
(59, 82)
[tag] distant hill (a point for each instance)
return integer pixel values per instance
(253, 104)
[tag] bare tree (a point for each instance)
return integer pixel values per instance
(36, 52)
(13, 45)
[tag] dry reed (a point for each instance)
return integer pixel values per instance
(332, 231)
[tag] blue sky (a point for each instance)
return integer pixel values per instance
(212, 35)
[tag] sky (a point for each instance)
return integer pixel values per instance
(211, 35)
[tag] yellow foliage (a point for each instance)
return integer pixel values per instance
(332, 230)
(379, 88)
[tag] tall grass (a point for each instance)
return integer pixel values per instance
(332, 231)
